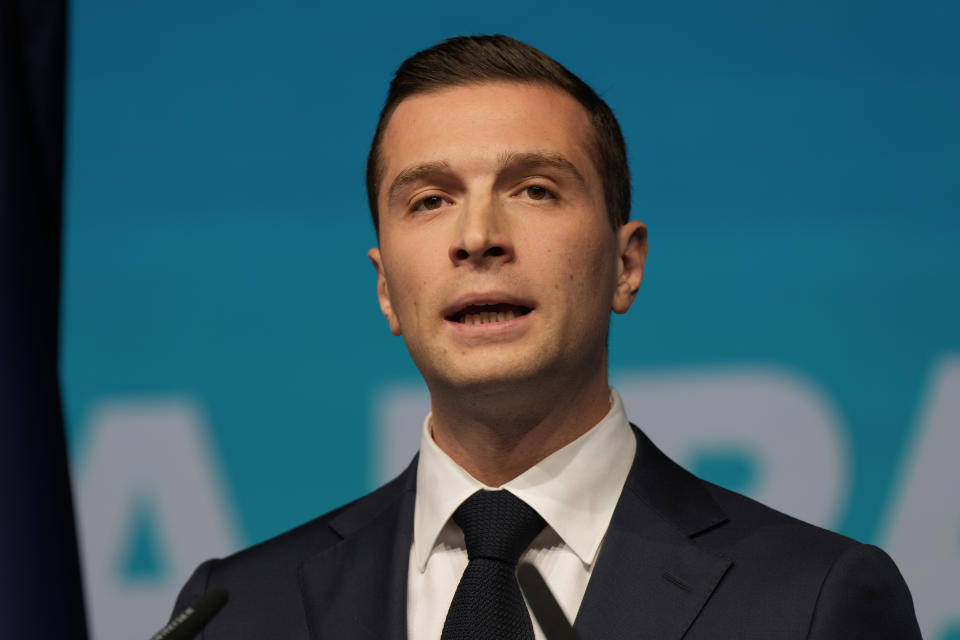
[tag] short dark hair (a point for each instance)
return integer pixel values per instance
(478, 59)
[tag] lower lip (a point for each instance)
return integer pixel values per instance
(491, 328)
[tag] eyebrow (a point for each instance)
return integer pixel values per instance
(506, 160)
(415, 173)
(535, 159)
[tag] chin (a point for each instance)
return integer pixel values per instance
(493, 376)
(498, 378)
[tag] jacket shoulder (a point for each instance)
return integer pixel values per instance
(306, 540)
(816, 581)
(748, 519)
(265, 575)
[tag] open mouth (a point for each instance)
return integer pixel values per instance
(488, 313)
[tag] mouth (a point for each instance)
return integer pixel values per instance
(488, 313)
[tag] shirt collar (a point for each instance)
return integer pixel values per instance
(575, 489)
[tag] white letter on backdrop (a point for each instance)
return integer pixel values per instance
(146, 455)
(779, 421)
(924, 531)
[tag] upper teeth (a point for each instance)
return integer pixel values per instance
(484, 317)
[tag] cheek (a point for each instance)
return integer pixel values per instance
(588, 267)
(408, 287)
(402, 292)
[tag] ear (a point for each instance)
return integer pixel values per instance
(632, 248)
(383, 293)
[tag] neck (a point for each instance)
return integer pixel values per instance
(496, 435)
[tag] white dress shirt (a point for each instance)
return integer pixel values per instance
(574, 489)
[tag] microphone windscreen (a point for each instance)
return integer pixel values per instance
(545, 607)
(191, 620)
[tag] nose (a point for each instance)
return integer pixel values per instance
(482, 236)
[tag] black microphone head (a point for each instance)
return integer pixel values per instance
(544, 605)
(189, 622)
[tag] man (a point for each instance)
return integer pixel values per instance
(499, 188)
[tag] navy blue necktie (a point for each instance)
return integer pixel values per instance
(497, 527)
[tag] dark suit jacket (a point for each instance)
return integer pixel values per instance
(682, 558)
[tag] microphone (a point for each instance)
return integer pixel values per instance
(553, 623)
(195, 617)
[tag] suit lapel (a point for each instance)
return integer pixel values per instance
(651, 579)
(650, 582)
(358, 587)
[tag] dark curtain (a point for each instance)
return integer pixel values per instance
(40, 587)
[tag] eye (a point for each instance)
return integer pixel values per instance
(536, 192)
(430, 203)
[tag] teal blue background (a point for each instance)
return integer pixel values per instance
(796, 164)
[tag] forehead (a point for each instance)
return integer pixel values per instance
(471, 125)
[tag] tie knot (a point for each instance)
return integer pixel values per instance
(497, 525)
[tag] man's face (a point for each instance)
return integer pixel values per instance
(497, 262)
